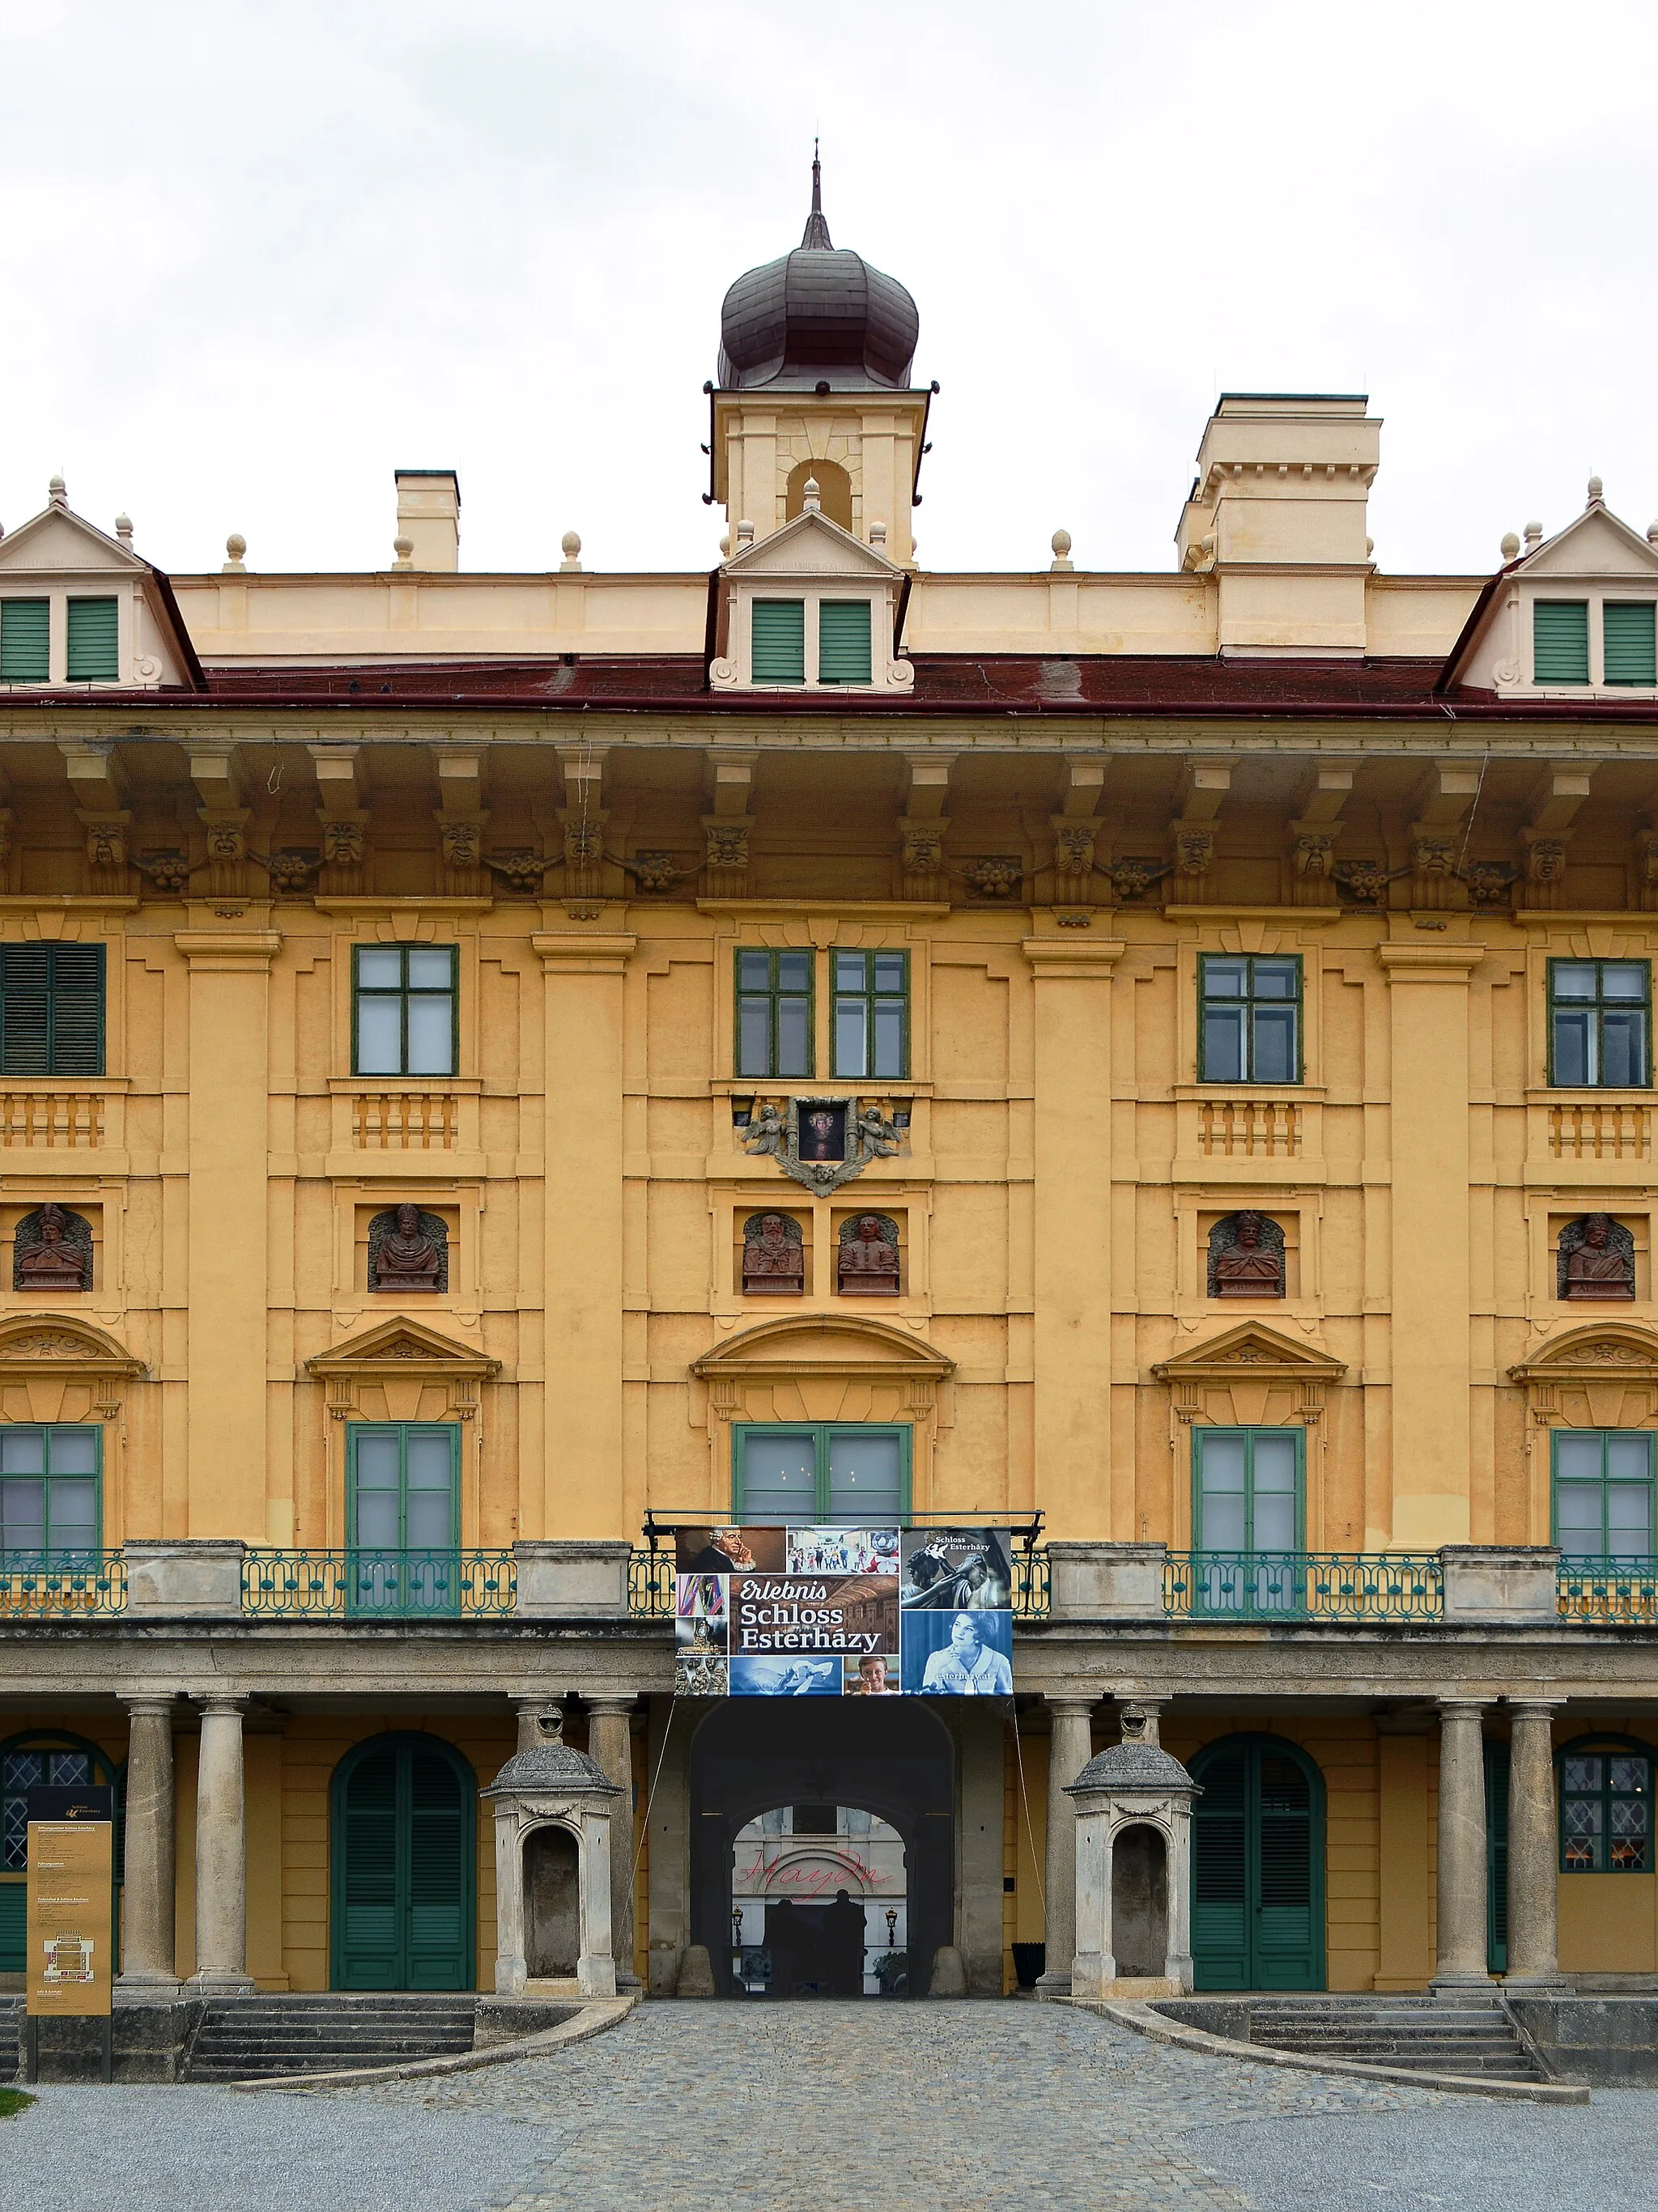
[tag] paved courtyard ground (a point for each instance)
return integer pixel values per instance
(767, 2108)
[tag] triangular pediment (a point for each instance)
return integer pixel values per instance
(1595, 545)
(401, 1343)
(823, 1344)
(811, 545)
(1251, 1348)
(1600, 1349)
(59, 541)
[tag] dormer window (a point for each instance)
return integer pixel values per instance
(25, 641)
(1564, 640)
(812, 608)
(93, 650)
(782, 646)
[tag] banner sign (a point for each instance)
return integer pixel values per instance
(843, 1613)
(69, 1907)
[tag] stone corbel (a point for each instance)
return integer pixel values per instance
(106, 852)
(461, 818)
(344, 820)
(1313, 860)
(1434, 852)
(1546, 866)
(726, 868)
(1645, 886)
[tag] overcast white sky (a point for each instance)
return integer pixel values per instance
(256, 257)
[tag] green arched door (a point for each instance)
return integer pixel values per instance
(1256, 1867)
(404, 1867)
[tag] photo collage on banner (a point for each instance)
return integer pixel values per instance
(842, 1612)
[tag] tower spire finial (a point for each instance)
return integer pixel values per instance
(816, 233)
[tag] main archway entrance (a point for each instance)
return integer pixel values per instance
(405, 1865)
(1256, 1867)
(893, 1763)
(818, 1905)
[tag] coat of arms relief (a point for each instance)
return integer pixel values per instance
(821, 1143)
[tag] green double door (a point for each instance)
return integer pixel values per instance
(403, 1887)
(1257, 1867)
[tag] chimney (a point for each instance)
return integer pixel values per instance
(429, 516)
(1277, 514)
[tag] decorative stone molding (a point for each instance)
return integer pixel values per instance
(1313, 860)
(1601, 1376)
(66, 1348)
(726, 846)
(789, 1135)
(1251, 1353)
(403, 1352)
(800, 1362)
(921, 856)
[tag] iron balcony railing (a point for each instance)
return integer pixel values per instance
(1313, 1586)
(1611, 1590)
(369, 1585)
(650, 1585)
(51, 1584)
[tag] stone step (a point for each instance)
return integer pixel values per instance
(246, 2039)
(1470, 2036)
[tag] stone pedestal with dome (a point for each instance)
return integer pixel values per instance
(553, 1851)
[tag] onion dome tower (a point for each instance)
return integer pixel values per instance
(814, 382)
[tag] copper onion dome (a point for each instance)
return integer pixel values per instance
(820, 315)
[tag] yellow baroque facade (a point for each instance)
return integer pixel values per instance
(455, 1030)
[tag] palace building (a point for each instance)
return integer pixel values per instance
(494, 1068)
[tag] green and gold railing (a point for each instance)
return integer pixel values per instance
(55, 1585)
(372, 1585)
(1611, 1590)
(1312, 1586)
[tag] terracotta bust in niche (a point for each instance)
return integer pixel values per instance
(866, 1262)
(773, 1260)
(53, 1252)
(1597, 1259)
(408, 1250)
(1245, 1257)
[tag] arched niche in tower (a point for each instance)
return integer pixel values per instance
(834, 491)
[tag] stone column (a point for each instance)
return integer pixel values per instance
(220, 1850)
(147, 1932)
(610, 1745)
(1070, 1746)
(1462, 1933)
(1534, 1850)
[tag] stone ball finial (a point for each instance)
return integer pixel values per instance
(811, 499)
(404, 549)
(1061, 544)
(235, 546)
(58, 493)
(570, 546)
(1596, 490)
(745, 533)
(725, 543)
(1510, 545)
(1534, 536)
(124, 529)
(878, 533)
(1652, 534)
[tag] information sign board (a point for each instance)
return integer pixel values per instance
(70, 1907)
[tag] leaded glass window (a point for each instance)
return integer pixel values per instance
(1606, 1825)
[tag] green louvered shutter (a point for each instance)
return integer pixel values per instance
(844, 641)
(369, 1938)
(94, 642)
(25, 641)
(1630, 647)
(1560, 641)
(1497, 1759)
(52, 1010)
(14, 1952)
(778, 640)
(1284, 1935)
(1220, 1901)
(437, 1875)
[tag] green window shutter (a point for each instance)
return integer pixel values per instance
(1220, 1879)
(1560, 641)
(844, 641)
(52, 1010)
(94, 642)
(369, 1935)
(25, 641)
(437, 1875)
(1630, 647)
(778, 640)
(13, 1950)
(25, 1009)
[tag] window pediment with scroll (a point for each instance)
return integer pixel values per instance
(53, 1368)
(1603, 1377)
(1250, 1376)
(804, 1369)
(403, 1371)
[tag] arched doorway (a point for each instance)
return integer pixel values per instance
(894, 1761)
(820, 1904)
(1256, 1867)
(404, 1890)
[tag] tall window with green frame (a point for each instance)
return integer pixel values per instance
(1249, 1018)
(1600, 1023)
(1560, 641)
(25, 641)
(774, 1013)
(50, 1487)
(404, 1010)
(1606, 1806)
(1247, 1515)
(855, 1474)
(872, 1013)
(403, 1516)
(1603, 1493)
(52, 1010)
